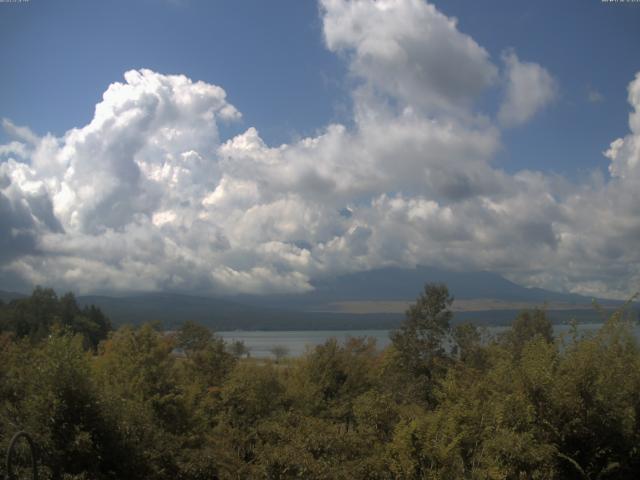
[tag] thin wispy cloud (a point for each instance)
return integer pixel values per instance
(594, 96)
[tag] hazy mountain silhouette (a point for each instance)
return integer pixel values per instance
(8, 296)
(173, 309)
(310, 311)
(406, 284)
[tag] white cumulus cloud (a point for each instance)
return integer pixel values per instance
(148, 196)
(530, 87)
(409, 50)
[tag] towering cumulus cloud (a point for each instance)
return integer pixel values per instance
(409, 50)
(147, 196)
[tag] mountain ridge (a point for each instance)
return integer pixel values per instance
(364, 300)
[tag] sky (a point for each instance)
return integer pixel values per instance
(254, 147)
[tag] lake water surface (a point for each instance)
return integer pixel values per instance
(297, 342)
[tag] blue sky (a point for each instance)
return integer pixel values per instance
(269, 56)
(588, 46)
(217, 146)
(58, 58)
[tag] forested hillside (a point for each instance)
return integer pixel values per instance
(441, 403)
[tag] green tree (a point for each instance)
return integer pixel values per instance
(420, 341)
(138, 380)
(54, 397)
(329, 378)
(193, 337)
(279, 352)
(238, 349)
(208, 359)
(467, 345)
(34, 317)
(527, 326)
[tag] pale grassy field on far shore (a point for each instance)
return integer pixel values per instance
(470, 305)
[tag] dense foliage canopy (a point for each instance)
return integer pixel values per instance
(441, 402)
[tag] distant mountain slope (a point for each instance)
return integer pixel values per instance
(8, 296)
(221, 314)
(365, 300)
(407, 284)
(400, 284)
(165, 307)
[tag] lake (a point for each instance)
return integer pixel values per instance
(296, 342)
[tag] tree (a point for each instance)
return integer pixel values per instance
(527, 326)
(238, 349)
(467, 345)
(52, 395)
(139, 386)
(419, 342)
(208, 361)
(98, 324)
(279, 352)
(192, 337)
(33, 317)
(36, 316)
